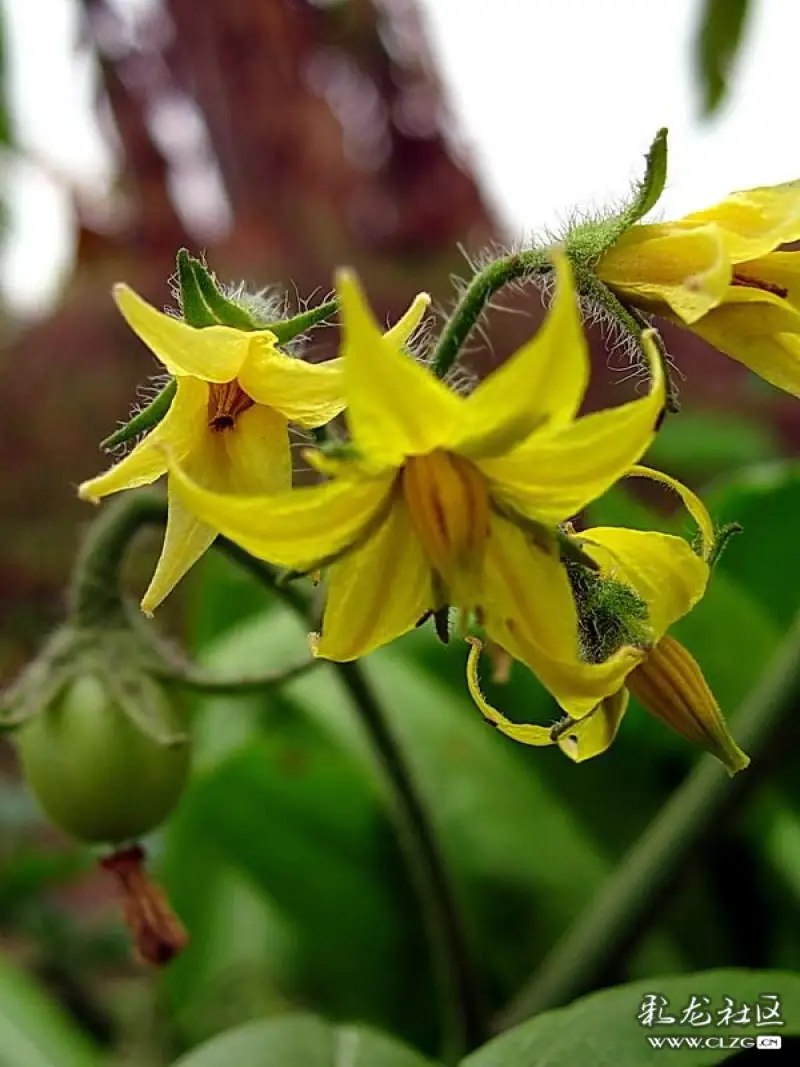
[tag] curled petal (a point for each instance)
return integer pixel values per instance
(691, 501)
(308, 394)
(527, 733)
(664, 570)
(213, 353)
(593, 734)
(553, 476)
(663, 265)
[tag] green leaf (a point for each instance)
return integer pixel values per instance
(34, 1032)
(603, 1029)
(302, 1041)
(717, 43)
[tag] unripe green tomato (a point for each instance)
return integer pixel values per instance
(96, 775)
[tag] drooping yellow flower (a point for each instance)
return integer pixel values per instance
(668, 577)
(718, 272)
(228, 422)
(451, 500)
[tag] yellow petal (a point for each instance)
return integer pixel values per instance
(309, 394)
(257, 453)
(395, 407)
(400, 334)
(662, 569)
(529, 610)
(593, 734)
(541, 385)
(754, 221)
(691, 501)
(760, 330)
(553, 476)
(293, 529)
(185, 541)
(214, 353)
(182, 427)
(377, 592)
(688, 270)
(524, 732)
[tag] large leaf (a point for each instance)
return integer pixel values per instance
(603, 1030)
(302, 1041)
(34, 1032)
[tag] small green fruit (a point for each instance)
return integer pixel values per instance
(95, 773)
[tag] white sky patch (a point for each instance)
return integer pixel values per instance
(555, 105)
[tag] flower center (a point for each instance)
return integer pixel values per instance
(449, 506)
(226, 402)
(756, 283)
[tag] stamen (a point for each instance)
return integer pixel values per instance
(226, 401)
(757, 283)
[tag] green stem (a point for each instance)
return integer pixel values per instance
(190, 677)
(475, 297)
(96, 594)
(465, 1024)
(622, 907)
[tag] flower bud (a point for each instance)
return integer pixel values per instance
(671, 686)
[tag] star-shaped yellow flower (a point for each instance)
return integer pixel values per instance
(228, 423)
(718, 272)
(453, 500)
(669, 577)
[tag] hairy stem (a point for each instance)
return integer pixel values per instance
(475, 298)
(628, 899)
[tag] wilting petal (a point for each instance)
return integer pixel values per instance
(760, 330)
(185, 541)
(541, 385)
(395, 407)
(553, 476)
(214, 353)
(593, 734)
(664, 570)
(257, 452)
(293, 529)
(754, 221)
(378, 591)
(524, 732)
(309, 394)
(689, 270)
(530, 612)
(691, 501)
(181, 430)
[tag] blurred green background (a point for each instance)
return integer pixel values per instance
(282, 858)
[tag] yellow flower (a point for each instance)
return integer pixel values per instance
(717, 272)
(669, 578)
(228, 423)
(453, 500)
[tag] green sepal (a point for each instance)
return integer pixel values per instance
(287, 329)
(586, 242)
(722, 536)
(610, 613)
(226, 312)
(194, 308)
(143, 420)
